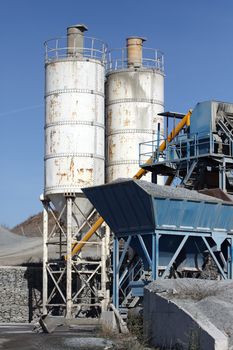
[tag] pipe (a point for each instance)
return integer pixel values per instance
(75, 38)
(138, 176)
(134, 51)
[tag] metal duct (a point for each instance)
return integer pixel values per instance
(134, 51)
(75, 39)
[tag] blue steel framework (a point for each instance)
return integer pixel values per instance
(162, 230)
(208, 142)
(225, 269)
(165, 231)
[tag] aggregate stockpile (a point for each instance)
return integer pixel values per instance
(189, 314)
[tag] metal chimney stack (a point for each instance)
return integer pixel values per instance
(75, 38)
(134, 51)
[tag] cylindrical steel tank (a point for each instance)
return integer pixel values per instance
(134, 97)
(74, 115)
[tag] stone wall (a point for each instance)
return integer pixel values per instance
(20, 293)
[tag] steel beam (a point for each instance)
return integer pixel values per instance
(174, 257)
(126, 246)
(115, 272)
(45, 257)
(145, 251)
(155, 255)
(214, 258)
(69, 302)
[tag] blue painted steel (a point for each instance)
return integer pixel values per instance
(214, 258)
(137, 288)
(155, 256)
(129, 209)
(126, 207)
(125, 249)
(201, 140)
(161, 231)
(202, 117)
(115, 272)
(231, 257)
(193, 215)
(175, 255)
(145, 251)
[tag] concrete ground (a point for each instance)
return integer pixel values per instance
(21, 337)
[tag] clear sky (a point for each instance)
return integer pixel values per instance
(196, 37)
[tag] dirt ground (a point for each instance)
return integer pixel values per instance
(23, 337)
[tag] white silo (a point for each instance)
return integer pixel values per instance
(74, 156)
(134, 97)
(74, 117)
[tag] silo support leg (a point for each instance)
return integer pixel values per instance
(69, 259)
(155, 256)
(115, 273)
(45, 257)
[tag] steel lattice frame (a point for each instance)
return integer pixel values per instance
(66, 280)
(155, 271)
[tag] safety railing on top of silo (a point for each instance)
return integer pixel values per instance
(91, 49)
(117, 59)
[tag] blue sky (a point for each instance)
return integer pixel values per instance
(195, 36)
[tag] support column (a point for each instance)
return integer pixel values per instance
(69, 259)
(103, 272)
(230, 259)
(222, 175)
(45, 257)
(115, 273)
(155, 256)
(108, 257)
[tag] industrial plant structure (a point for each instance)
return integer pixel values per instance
(78, 154)
(100, 105)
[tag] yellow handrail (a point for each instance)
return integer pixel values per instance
(141, 172)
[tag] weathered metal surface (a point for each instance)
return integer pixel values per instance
(74, 130)
(75, 39)
(133, 100)
(134, 51)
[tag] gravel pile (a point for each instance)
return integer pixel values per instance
(8, 238)
(204, 299)
(17, 250)
(169, 191)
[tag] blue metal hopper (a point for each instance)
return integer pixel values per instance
(136, 206)
(169, 229)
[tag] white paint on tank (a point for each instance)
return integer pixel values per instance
(134, 97)
(74, 129)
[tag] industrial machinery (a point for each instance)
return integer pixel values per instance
(159, 232)
(172, 232)
(75, 155)
(163, 232)
(202, 156)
